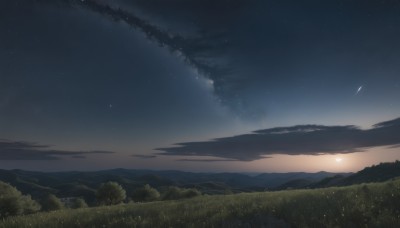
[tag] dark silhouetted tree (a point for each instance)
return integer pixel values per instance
(228, 192)
(145, 194)
(191, 192)
(79, 203)
(110, 193)
(52, 203)
(171, 193)
(12, 202)
(174, 193)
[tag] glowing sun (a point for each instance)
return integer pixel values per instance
(338, 159)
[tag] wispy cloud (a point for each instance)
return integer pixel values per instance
(296, 140)
(21, 150)
(143, 156)
(206, 160)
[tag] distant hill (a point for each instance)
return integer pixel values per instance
(275, 180)
(295, 184)
(376, 173)
(84, 184)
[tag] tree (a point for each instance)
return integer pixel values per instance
(228, 192)
(79, 203)
(110, 193)
(145, 194)
(29, 206)
(191, 192)
(52, 203)
(12, 202)
(174, 193)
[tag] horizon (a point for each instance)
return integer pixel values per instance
(199, 86)
(172, 170)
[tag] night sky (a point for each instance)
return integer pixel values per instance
(199, 85)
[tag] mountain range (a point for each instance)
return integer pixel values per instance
(84, 184)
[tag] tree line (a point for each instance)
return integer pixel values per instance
(13, 202)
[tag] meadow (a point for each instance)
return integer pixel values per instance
(363, 205)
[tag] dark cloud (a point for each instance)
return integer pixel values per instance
(296, 140)
(20, 150)
(143, 156)
(79, 156)
(206, 160)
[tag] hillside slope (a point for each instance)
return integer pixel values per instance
(367, 205)
(67, 184)
(376, 173)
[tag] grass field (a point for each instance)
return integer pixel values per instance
(366, 205)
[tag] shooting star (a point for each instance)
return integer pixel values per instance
(359, 90)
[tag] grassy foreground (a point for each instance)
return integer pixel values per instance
(366, 205)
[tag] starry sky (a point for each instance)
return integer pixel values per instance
(199, 85)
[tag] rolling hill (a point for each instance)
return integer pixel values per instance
(70, 184)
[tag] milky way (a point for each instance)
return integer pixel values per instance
(130, 76)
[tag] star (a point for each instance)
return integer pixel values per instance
(359, 89)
